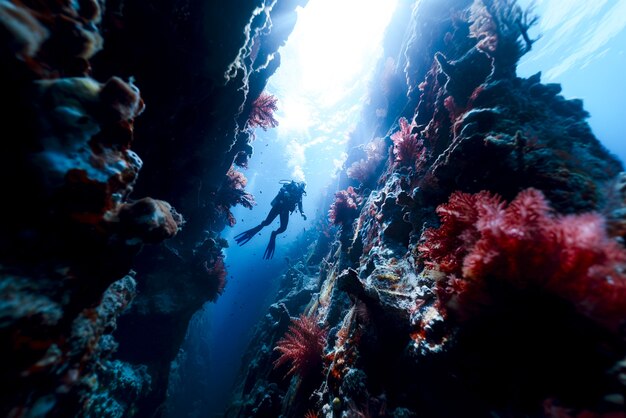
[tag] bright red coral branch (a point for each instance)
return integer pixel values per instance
(262, 112)
(524, 244)
(302, 346)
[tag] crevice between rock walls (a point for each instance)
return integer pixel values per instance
(474, 262)
(81, 243)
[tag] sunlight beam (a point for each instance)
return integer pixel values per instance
(326, 65)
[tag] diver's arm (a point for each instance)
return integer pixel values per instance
(300, 209)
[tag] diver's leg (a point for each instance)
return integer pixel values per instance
(246, 236)
(271, 216)
(284, 221)
(271, 247)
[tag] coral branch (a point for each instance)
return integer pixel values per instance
(526, 246)
(232, 193)
(498, 26)
(302, 346)
(262, 113)
(345, 207)
(364, 169)
(216, 275)
(408, 149)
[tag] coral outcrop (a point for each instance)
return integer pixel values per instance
(570, 257)
(78, 216)
(477, 268)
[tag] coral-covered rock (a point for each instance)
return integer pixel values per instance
(72, 230)
(525, 246)
(22, 32)
(231, 193)
(501, 29)
(364, 170)
(119, 388)
(615, 206)
(121, 99)
(551, 149)
(493, 298)
(345, 207)
(70, 364)
(407, 147)
(215, 271)
(149, 220)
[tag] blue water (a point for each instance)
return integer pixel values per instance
(252, 281)
(583, 47)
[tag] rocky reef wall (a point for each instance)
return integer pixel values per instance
(80, 242)
(473, 263)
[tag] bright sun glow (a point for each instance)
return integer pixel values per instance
(326, 65)
(337, 39)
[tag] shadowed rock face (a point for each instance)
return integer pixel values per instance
(78, 132)
(406, 337)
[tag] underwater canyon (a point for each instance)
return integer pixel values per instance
(466, 259)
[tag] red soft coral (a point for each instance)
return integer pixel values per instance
(527, 246)
(216, 276)
(262, 112)
(345, 207)
(445, 247)
(408, 149)
(302, 346)
(232, 193)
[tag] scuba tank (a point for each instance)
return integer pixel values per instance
(282, 195)
(288, 194)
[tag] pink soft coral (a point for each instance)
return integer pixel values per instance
(364, 169)
(345, 207)
(302, 346)
(527, 246)
(408, 149)
(262, 112)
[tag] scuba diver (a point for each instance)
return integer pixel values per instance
(289, 196)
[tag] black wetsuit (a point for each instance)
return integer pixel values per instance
(288, 198)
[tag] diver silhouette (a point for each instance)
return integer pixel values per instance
(289, 196)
